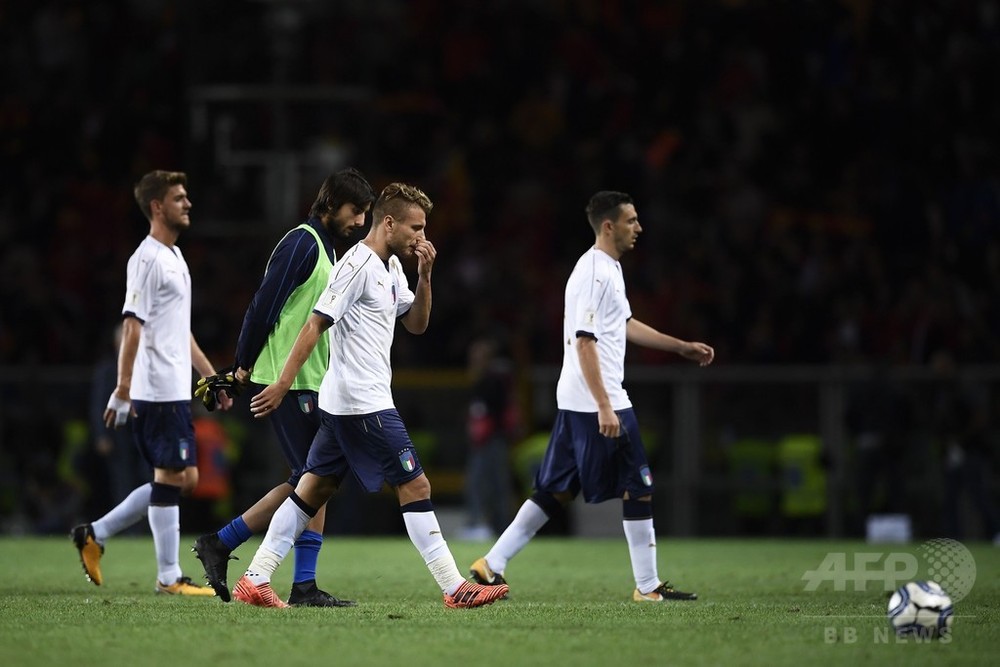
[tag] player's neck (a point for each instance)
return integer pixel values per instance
(164, 234)
(608, 248)
(378, 245)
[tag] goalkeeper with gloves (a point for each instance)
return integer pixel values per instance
(295, 276)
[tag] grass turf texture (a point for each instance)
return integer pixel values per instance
(570, 605)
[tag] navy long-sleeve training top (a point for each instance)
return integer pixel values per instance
(291, 264)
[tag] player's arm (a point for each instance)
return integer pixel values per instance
(120, 403)
(205, 368)
(590, 366)
(267, 400)
(419, 315)
(646, 336)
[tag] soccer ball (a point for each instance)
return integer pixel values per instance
(920, 608)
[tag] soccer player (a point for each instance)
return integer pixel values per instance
(154, 386)
(360, 428)
(595, 445)
(294, 279)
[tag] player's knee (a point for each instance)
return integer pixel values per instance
(190, 481)
(416, 489)
(327, 486)
(316, 489)
(552, 503)
(183, 478)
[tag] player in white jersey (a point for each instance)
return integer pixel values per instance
(360, 429)
(154, 386)
(595, 446)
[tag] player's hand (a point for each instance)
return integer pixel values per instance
(223, 401)
(268, 400)
(703, 354)
(426, 253)
(217, 391)
(608, 422)
(118, 410)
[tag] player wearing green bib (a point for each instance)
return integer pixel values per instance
(295, 276)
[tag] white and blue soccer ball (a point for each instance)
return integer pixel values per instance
(920, 608)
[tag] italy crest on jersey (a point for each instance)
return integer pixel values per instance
(407, 461)
(185, 449)
(647, 477)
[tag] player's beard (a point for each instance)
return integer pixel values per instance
(403, 249)
(179, 222)
(343, 229)
(347, 232)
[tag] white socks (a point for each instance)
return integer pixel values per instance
(165, 522)
(425, 533)
(641, 540)
(123, 515)
(530, 518)
(286, 525)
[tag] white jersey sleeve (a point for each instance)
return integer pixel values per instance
(345, 286)
(142, 276)
(587, 294)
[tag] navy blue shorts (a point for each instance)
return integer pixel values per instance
(295, 422)
(580, 458)
(164, 434)
(376, 447)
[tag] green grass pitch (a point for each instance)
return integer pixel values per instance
(570, 605)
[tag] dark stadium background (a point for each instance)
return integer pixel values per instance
(817, 181)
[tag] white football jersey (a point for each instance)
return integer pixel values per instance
(158, 293)
(596, 306)
(364, 297)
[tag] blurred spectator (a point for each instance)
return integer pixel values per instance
(879, 418)
(491, 424)
(121, 467)
(961, 420)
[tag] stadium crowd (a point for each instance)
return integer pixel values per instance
(818, 181)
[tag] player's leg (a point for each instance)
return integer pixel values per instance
(380, 451)
(634, 484)
(305, 591)
(556, 484)
(214, 550)
(287, 524)
(165, 433)
(325, 467)
(295, 424)
(89, 538)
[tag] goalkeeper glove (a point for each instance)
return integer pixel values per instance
(120, 407)
(208, 388)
